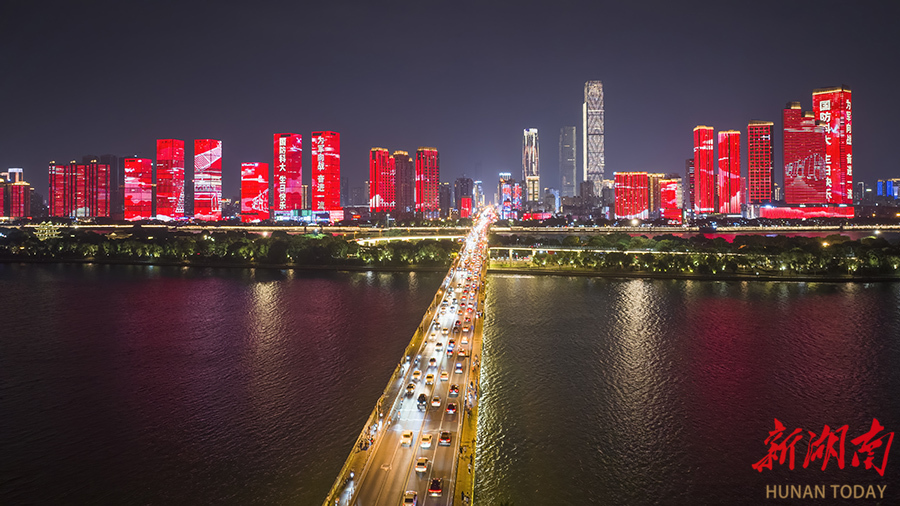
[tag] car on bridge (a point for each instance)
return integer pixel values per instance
(454, 390)
(422, 400)
(410, 498)
(410, 389)
(426, 440)
(417, 374)
(436, 488)
(429, 379)
(406, 438)
(459, 368)
(444, 440)
(422, 465)
(451, 408)
(436, 401)
(445, 376)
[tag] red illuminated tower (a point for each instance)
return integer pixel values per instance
(428, 174)
(207, 179)
(62, 185)
(288, 149)
(405, 179)
(138, 189)
(831, 107)
(760, 162)
(729, 172)
(803, 143)
(91, 190)
(632, 190)
(670, 199)
(19, 200)
(704, 171)
(169, 179)
(382, 185)
(326, 171)
(254, 191)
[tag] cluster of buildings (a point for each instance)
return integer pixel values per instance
(15, 194)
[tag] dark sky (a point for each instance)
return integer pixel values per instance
(466, 77)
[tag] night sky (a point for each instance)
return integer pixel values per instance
(466, 77)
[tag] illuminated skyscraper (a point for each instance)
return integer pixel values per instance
(254, 191)
(208, 179)
(568, 171)
(169, 179)
(463, 187)
(19, 200)
(704, 171)
(654, 196)
(138, 189)
(510, 195)
(729, 187)
(62, 190)
(803, 142)
(326, 171)
(632, 195)
(594, 159)
(670, 199)
(832, 108)
(86, 190)
(288, 178)
(531, 170)
(428, 173)
(760, 162)
(382, 181)
(405, 180)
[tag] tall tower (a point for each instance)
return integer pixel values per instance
(704, 171)
(169, 179)
(568, 172)
(326, 171)
(254, 191)
(382, 185)
(531, 170)
(730, 172)
(803, 142)
(288, 165)
(831, 107)
(208, 179)
(632, 192)
(138, 189)
(405, 182)
(428, 176)
(594, 159)
(760, 161)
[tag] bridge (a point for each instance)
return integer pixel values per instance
(418, 443)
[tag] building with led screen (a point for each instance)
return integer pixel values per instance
(670, 199)
(729, 187)
(632, 195)
(760, 162)
(19, 200)
(531, 166)
(138, 189)
(382, 184)
(169, 179)
(79, 190)
(405, 182)
(704, 171)
(288, 177)
(62, 185)
(803, 142)
(832, 108)
(207, 179)
(254, 191)
(326, 171)
(594, 158)
(465, 207)
(428, 174)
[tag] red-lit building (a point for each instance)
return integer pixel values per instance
(62, 185)
(806, 212)
(632, 190)
(19, 200)
(207, 179)
(169, 179)
(670, 199)
(79, 190)
(326, 171)
(288, 158)
(760, 162)
(405, 179)
(704, 171)
(138, 189)
(465, 207)
(382, 184)
(254, 191)
(428, 174)
(832, 108)
(729, 187)
(803, 142)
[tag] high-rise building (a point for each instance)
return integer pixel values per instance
(382, 181)
(632, 195)
(62, 190)
(208, 179)
(79, 190)
(729, 181)
(594, 159)
(654, 195)
(138, 189)
(670, 199)
(326, 171)
(465, 207)
(288, 177)
(14, 175)
(4, 181)
(445, 197)
(169, 179)
(832, 108)
(803, 142)
(531, 170)
(760, 162)
(478, 194)
(405, 178)
(428, 173)
(463, 187)
(568, 171)
(510, 196)
(254, 191)
(19, 200)
(688, 185)
(704, 171)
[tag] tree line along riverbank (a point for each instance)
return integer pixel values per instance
(748, 256)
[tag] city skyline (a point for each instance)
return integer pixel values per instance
(642, 56)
